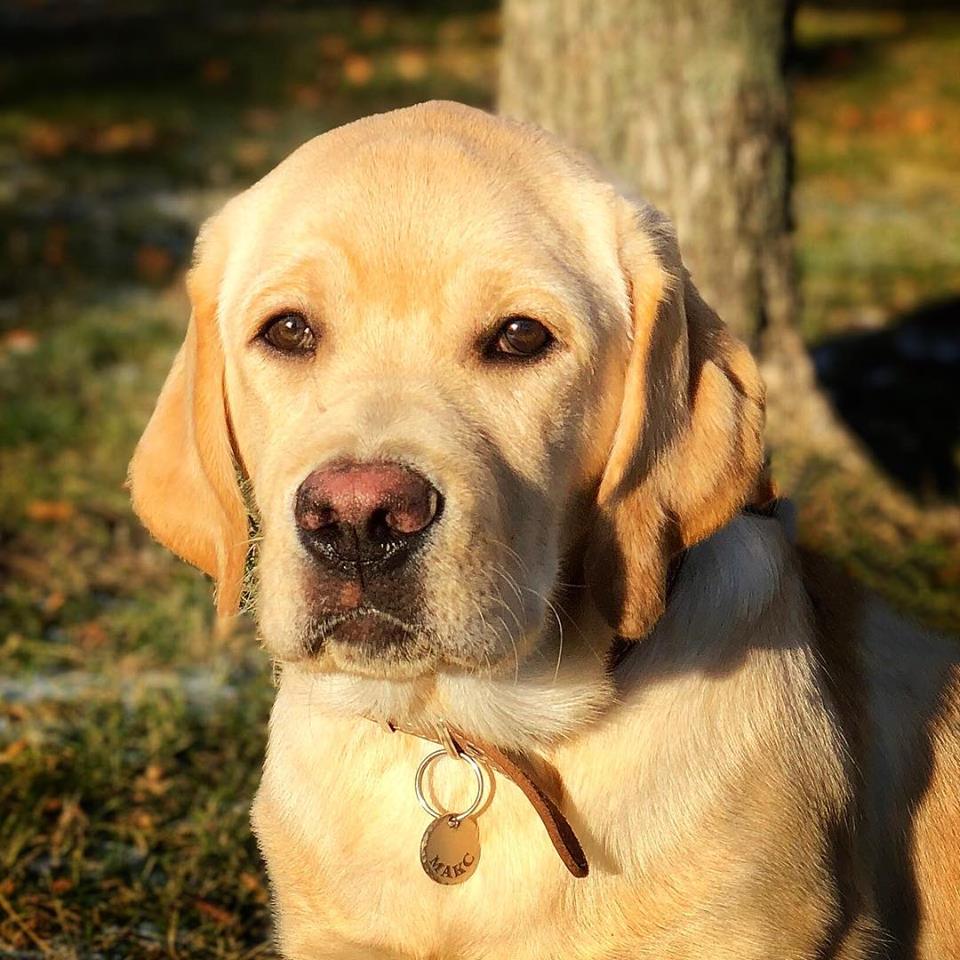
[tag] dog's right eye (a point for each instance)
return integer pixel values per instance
(289, 333)
(519, 338)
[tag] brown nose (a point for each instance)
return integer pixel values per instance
(364, 513)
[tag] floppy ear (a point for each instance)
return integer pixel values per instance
(183, 477)
(688, 450)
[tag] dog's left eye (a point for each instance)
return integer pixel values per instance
(520, 337)
(289, 333)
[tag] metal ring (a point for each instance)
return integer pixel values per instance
(425, 803)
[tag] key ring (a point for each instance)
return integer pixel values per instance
(425, 803)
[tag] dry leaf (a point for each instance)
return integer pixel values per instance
(373, 23)
(54, 602)
(154, 264)
(920, 120)
(306, 96)
(13, 750)
(333, 46)
(357, 70)
(410, 64)
(19, 341)
(216, 71)
(45, 140)
(121, 137)
(250, 153)
(55, 245)
(49, 511)
(141, 819)
(90, 635)
(218, 914)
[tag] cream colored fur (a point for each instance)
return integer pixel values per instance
(737, 780)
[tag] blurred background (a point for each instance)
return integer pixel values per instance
(809, 156)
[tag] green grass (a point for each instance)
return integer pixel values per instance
(130, 734)
(125, 827)
(877, 140)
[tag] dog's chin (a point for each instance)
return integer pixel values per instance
(374, 644)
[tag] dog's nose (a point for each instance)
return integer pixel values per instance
(351, 513)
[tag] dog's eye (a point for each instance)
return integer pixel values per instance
(289, 333)
(520, 337)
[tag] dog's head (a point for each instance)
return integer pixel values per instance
(462, 376)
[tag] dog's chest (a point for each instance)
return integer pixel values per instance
(342, 831)
(688, 847)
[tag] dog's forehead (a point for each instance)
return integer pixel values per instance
(428, 186)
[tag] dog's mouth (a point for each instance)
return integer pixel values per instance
(367, 637)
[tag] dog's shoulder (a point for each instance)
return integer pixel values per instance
(913, 683)
(896, 688)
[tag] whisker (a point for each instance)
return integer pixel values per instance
(520, 561)
(516, 653)
(512, 583)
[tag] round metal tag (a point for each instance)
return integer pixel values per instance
(450, 849)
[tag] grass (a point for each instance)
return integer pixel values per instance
(130, 734)
(877, 133)
(116, 839)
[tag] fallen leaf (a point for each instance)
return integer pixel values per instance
(19, 341)
(373, 22)
(154, 264)
(15, 711)
(43, 139)
(410, 65)
(90, 635)
(216, 71)
(49, 511)
(261, 119)
(920, 120)
(849, 116)
(122, 137)
(333, 46)
(152, 781)
(54, 602)
(142, 820)
(13, 750)
(55, 245)
(250, 153)
(306, 96)
(357, 70)
(218, 914)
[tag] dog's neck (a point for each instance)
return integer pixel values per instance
(724, 584)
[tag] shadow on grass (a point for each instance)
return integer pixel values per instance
(897, 390)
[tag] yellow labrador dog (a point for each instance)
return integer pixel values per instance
(507, 470)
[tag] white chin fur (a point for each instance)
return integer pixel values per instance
(541, 705)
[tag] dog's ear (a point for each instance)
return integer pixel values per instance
(183, 478)
(688, 449)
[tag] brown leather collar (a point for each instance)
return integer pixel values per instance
(539, 782)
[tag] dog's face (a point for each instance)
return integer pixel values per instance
(459, 372)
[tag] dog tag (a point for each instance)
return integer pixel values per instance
(450, 849)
